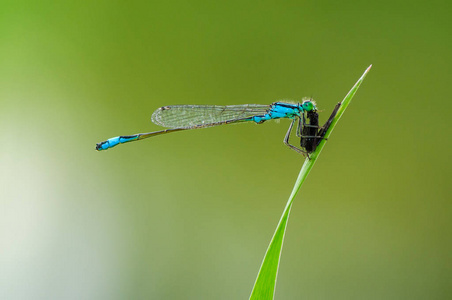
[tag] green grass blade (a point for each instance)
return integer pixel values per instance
(264, 287)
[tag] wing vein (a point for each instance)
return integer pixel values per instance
(186, 116)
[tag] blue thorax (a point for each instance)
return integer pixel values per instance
(280, 110)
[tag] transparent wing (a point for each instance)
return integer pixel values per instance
(186, 116)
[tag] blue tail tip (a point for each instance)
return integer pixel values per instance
(100, 146)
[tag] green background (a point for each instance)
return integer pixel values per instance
(189, 215)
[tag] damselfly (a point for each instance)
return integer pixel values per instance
(184, 117)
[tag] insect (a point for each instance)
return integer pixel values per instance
(312, 134)
(185, 117)
(309, 131)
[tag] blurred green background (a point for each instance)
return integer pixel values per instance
(189, 215)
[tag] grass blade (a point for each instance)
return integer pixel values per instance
(264, 287)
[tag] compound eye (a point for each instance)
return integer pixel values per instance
(308, 105)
